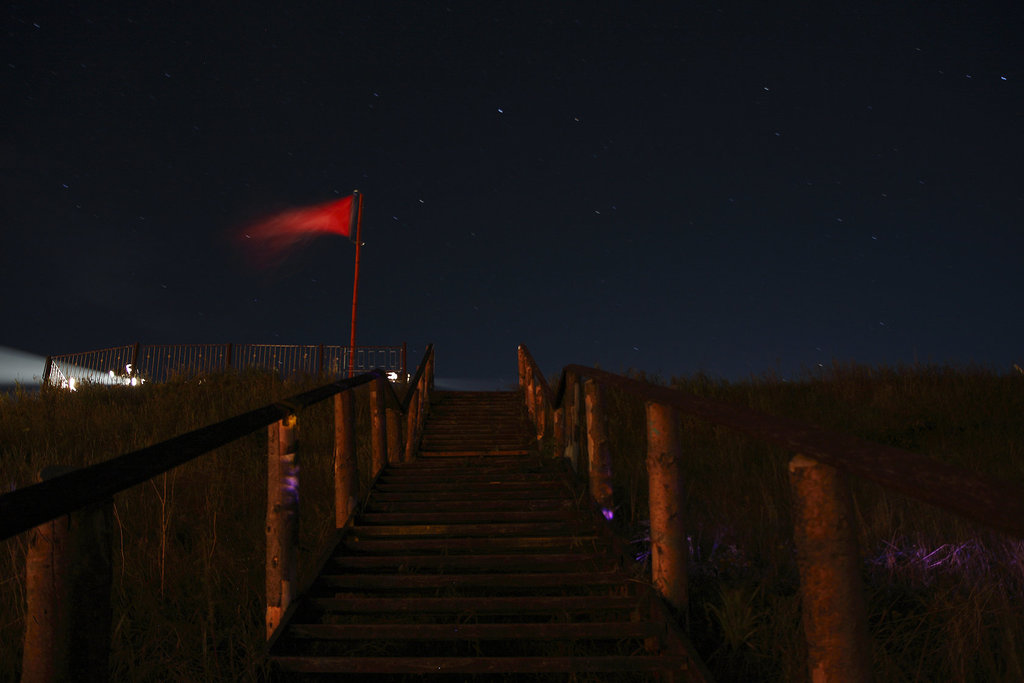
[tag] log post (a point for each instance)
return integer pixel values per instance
(378, 422)
(528, 394)
(831, 591)
(558, 428)
(601, 489)
(410, 425)
(668, 531)
(540, 409)
(282, 519)
(394, 430)
(579, 419)
(346, 474)
(68, 579)
(572, 432)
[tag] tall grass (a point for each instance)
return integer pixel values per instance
(944, 595)
(189, 546)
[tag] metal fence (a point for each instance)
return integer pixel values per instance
(133, 363)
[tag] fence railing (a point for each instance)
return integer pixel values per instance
(161, 362)
(69, 568)
(828, 558)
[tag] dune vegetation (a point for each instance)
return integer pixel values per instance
(944, 595)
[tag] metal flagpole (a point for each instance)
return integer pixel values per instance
(356, 220)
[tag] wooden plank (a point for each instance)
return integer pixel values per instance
(457, 453)
(614, 630)
(414, 506)
(503, 580)
(469, 495)
(461, 563)
(413, 486)
(464, 476)
(575, 604)
(467, 517)
(526, 529)
(474, 665)
(405, 546)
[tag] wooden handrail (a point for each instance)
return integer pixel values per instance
(30, 506)
(986, 500)
(832, 597)
(33, 505)
(62, 509)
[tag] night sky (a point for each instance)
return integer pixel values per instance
(731, 187)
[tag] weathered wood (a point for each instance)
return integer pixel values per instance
(600, 452)
(473, 665)
(831, 592)
(568, 604)
(46, 593)
(378, 426)
(282, 519)
(469, 545)
(346, 477)
(394, 431)
(474, 516)
(665, 496)
(444, 549)
(412, 426)
(67, 588)
(30, 506)
(496, 487)
(540, 412)
(566, 580)
(991, 502)
(546, 562)
(614, 630)
(455, 531)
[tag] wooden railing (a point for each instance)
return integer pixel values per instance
(828, 558)
(68, 567)
(160, 362)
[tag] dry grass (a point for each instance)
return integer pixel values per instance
(189, 545)
(944, 595)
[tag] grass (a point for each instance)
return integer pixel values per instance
(944, 596)
(189, 546)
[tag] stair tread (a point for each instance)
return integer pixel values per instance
(477, 540)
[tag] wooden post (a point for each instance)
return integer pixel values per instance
(378, 422)
(668, 532)
(410, 426)
(346, 474)
(68, 578)
(558, 428)
(540, 411)
(579, 426)
(528, 394)
(282, 519)
(597, 444)
(394, 430)
(572, 448)
(831, 592)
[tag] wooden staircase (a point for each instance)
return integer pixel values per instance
(479, 561)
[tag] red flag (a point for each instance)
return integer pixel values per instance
(271, 237)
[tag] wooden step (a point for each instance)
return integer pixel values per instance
(475, 665)
(477, 558)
